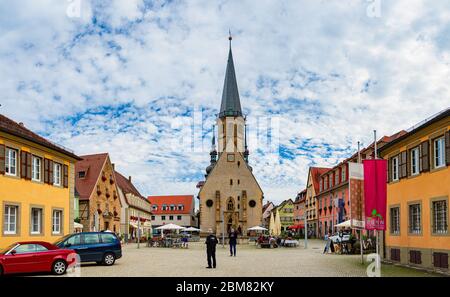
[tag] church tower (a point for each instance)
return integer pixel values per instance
(230, 197)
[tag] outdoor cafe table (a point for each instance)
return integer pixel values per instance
(290, 243)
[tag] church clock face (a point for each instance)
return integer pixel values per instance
(230, 157)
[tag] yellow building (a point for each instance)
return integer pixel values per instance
(36, 186)
(418, 195)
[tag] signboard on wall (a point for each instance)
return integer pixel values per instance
(356, 195)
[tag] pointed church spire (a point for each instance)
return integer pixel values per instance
(231, 104)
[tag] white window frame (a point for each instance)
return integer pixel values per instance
(56, 221)
(57, 174)
(415, 161)
(395, 169)
(36, 168)
(11, 161)
(7, 223)
(439, 152)
(39, 220)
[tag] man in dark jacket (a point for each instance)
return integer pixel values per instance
(233, 241)
(211, 242)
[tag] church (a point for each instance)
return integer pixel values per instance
(230, 196)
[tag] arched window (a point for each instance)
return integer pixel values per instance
(230, 204)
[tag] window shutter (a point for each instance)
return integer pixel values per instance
(389, 170)
(50, 172)
(425, 156)
(447, 147)
(403, 161)
(437, 259)
(28, 166)
(2, 158)
(23, 164)
(66, 176)
(444, 260)
(408, 163)
(46, 171)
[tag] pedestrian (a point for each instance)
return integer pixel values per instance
(328, 243)
(232, 241)
(211, 242)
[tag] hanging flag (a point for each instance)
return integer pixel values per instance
(356, 191)
(375, 194)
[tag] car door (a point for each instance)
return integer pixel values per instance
(93, 249)
(43, 258)
(21, 259)
(75, 243)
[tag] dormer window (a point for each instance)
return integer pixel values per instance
(164, 207)
(82, 174)
(180, 206)
(172, 207)
(154, 207)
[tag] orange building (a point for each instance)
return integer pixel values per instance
(418, 195)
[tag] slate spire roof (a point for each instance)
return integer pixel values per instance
(231, 104)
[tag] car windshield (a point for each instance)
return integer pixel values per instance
(3, 251)
(61, 240)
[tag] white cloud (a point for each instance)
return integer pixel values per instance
(330, 72)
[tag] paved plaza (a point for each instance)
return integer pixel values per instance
(250, 261)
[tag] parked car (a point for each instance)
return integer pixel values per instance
(100, 247)
(35, 256)
(343, 237)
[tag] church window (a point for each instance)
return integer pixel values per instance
(209, 203)
(252, 203)
(230, 204)
(239, 163)
(231, 182)
(239, 182)
(230, 157)
(239, 198)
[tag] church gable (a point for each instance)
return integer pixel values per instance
(231, 169)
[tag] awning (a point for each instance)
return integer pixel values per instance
(77, 225)
(346, 224)
(296, 227)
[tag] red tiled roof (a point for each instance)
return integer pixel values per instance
(11, 127)
(126, 185)
(92, 165)
(186, 200)
(316, 172)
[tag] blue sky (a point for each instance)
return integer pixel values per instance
(128, 76)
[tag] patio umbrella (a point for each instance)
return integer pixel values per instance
(170, 227)
(192, 229)
(77, 225)
(272, 224)
(257, 228)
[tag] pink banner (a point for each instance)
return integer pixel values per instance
(375, 194)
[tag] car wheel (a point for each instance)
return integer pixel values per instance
(109, 259)
(59, 267)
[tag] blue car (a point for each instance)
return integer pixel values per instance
(101, 247)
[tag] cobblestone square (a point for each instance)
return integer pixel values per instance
(250, 261)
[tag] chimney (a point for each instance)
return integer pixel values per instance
(129, 178)
(21, 124)
(113, 166)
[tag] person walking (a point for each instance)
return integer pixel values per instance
(328, 242)
(211, 242)
(232, 241)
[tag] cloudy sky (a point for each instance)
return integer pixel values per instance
(143, 79)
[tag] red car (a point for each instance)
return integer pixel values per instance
(35, 256)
